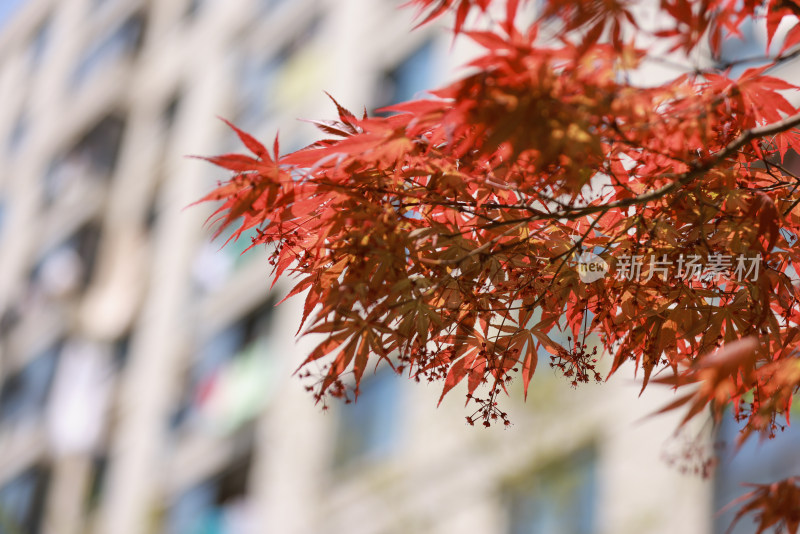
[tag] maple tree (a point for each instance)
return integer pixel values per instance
(446, 238)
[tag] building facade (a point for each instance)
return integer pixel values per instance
(145, 374)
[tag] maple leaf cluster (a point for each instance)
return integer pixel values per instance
(774, 505)
(442, 239)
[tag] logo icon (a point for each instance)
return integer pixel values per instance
(591, 267)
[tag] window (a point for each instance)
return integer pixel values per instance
(559, 499)
(412, 76)
(230, 379)
(217, 506)
(217, 260)
(39, 43)
(97, 481)
(68, 267)
(153, 210)
(275, 83)
(8, 8)
(123, 41)
(22, 501)
(23, 395)
(269, 6)
(369, 427)
(121, 350)
(759, 463)
(79, 397)
(2, 221)
(100, 146)
(193, 7)
(170, 112)
(209, 360)
(9, 319)
(18, 133)
(258, 79)
(93, 157)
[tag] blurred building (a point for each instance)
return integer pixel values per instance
(145, 375)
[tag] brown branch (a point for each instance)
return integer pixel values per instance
(682, 178)
(478, 250)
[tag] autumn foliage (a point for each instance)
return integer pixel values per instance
(443, 239)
